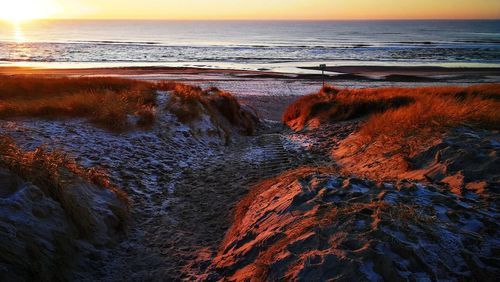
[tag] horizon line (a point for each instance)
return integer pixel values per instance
(250, 19)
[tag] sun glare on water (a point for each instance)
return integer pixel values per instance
(17, 11)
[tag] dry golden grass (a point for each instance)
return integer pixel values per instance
(46, 169)
(109, 101)
(105, 101)
(434, 112)
(147, 117)
(401, 115)
(185, 102)
(227, 105)
(438, 108)
(332, 104)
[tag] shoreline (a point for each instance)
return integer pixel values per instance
(362, 73)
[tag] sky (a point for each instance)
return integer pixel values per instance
(264, 9)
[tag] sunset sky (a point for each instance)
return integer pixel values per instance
(254, 9)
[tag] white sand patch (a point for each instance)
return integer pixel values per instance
(297, 142)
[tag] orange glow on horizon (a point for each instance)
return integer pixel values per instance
(18, 10)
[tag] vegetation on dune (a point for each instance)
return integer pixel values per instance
(398, 124)
(105, 101)
(331, 104)
(184, 103)
(407, 116)
(146, 117)
(434, 112)
(109, 101)
(438, 108)
(33, 87)
(93, 205)
(189, 103)
(50, 169)
(227, 105)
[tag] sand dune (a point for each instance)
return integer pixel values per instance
(216, 193)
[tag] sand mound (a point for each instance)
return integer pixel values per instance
(52, 221)
(437, 134)
(43, 238)
(211, 112)
(311, 224)
(465, 158)
(35, 234)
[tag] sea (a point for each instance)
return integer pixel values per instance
(253, 45)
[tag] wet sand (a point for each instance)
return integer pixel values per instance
(333, 73)
(410, 70)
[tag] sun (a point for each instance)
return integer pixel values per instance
(17, 11)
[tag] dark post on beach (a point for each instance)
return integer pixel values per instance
(322, 67)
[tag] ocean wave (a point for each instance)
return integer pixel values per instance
(91, 52)
(457, 44)
(116, 42)
(482, 41)
(161, 45)
(416, 42)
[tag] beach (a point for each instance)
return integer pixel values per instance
(248, 150)
(270, 92)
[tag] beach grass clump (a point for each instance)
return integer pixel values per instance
(32, 87)
(105, 101)
(146, 117)
(189, 103)
(229, 107)
(51, 169)
(185, 102)
(109, 102)
(331, 105)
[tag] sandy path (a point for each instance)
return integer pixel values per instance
(181, 244)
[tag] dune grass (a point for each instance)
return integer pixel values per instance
(438, 108)
(49, 169)
(105, 101)
(188, 103)
(331, 104)
(108, 102)
(400, 111)
(402, 120)
(185, 101)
